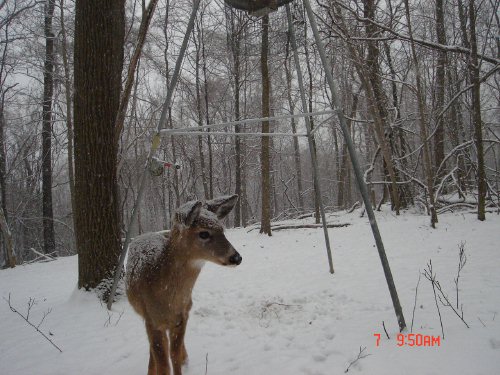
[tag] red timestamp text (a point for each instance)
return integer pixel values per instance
(413, 339)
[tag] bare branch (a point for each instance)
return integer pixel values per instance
(31, 302)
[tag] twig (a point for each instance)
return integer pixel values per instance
(484, 325)
(31, 302)
(206, 364)
(432, 278)
(448, 304)
(107, 323)
(383, 324)
(360, 356)
(415, 303)
(462, 259)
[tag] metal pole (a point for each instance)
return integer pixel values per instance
(310, 136)
(357, 170)
(248, 121)
(213, 134)
(155, 143)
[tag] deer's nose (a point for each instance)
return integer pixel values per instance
(235, 259)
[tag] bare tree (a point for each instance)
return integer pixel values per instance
(476, 112)
(48, 90)
(422, 122)
(265, 220)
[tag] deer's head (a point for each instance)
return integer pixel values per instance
(199, 231)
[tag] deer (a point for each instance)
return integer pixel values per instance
(162, 270)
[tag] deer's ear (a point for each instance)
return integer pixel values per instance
(222, 206)
(188, 213)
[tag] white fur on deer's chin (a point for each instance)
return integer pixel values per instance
(197, 263)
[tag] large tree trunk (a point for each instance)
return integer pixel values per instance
(48, 90)
(265, 221)
(476, 113)
(99, 39)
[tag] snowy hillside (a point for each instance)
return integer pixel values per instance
(281, 312)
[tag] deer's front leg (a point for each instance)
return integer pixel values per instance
(159, 349)
(177, 333)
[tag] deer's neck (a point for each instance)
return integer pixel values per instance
(179, 270)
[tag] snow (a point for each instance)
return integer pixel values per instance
(281, 311)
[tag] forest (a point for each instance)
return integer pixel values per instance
(418, 87)
(369, 127)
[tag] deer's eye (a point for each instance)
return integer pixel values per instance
(204, 235)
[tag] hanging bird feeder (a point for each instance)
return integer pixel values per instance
(257, 8)
(157, 166)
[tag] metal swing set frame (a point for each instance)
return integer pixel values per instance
(336, 109)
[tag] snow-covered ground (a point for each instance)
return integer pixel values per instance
(281, 312)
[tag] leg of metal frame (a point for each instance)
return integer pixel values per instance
(357, 170)
(310, 136)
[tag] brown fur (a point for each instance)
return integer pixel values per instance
(160, 282)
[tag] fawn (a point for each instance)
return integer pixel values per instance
(162, 270)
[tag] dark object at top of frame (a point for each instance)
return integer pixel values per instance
(257, 8)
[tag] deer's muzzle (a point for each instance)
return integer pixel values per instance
(235, 259)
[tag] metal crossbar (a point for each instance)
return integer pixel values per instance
(249, 121)
(233, 134)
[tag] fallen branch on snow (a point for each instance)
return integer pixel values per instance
(31, 302)
(360, 356)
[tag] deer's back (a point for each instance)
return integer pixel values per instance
(146, 254)
(144, 257)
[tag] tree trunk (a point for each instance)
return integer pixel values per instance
(265, 222)
(476, 113)
(235, 38)
(207, 121)
(48, 90)
(429, 177)
(7, 236)
(379, 102)
(311, 119)
(99, 40)
(3, 164)
(296, 148)
(440, 91)
(343, 198)
(69, 109)
(197, 43)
